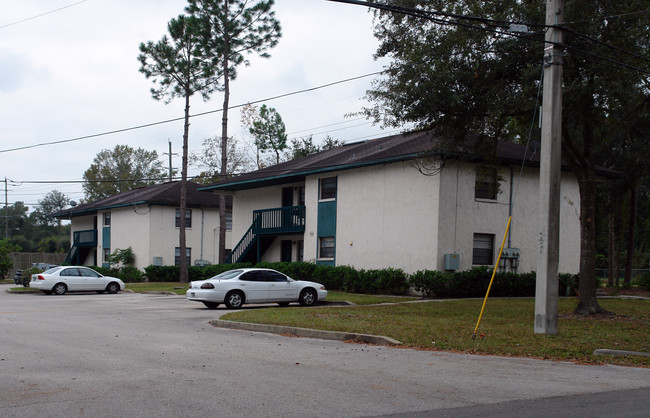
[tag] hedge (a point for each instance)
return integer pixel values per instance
(430, 283)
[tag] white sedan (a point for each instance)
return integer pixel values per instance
(251, 285)
(62, 279)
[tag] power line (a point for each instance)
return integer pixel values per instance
(148, 125)
(42, 14)
(424, 14)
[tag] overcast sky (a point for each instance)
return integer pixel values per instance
(74, 72)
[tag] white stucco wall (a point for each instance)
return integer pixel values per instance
(150, 231)
(387, 216)
(393, 216)
(461, 215)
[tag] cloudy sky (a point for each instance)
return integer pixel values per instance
(73, 72)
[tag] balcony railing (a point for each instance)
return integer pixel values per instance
(269, 222)
(287, 220)
(86, 238)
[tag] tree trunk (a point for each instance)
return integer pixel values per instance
(184, 276)
(610, 249)
(224, 138)
(630, 238)
(588, 304)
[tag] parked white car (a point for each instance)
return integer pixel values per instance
(252, 285)
(62, 279)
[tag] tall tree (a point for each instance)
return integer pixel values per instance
(180, 68)
(208, 159)
(472, 75)
(301, 147)
(121, 169)
(269, 132)
(53, 201)
(235, 28)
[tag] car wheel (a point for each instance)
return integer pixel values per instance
(283, 303)
(211, 305)
(307, 297)
(113, 288)
(59, 289)
(234, 299)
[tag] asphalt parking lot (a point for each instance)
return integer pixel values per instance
(152, 355)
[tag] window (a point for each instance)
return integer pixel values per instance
(483, 249)
(273, 276)
(487, 185)
(300, 250)
(188, 218)
(229, 220)
(327, 247)
(252, 276)
(107, 219)
(177, 256)
(107, 255)
(328, 188)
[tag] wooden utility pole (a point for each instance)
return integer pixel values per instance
(546, 294)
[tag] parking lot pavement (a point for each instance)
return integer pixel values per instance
(154, 355)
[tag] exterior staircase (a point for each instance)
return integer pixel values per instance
(83, 243)
(267, 225)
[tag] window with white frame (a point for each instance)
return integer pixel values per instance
(228, 219)
(188, 218)
(326, 247)
(328, 188)
(107, 218)
(177, 255)
(483, 250)
(107, 255)
(487, 183)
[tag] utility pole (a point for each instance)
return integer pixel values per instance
(171, 170)
(546, 292)
(6, 212)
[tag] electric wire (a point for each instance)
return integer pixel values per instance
(148, 125)
(42, 14)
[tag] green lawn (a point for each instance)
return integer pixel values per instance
(507, 326)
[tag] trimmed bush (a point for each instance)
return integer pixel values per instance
(129, 274)
(431, 283)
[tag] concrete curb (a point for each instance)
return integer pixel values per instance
(306, 332)
(608, 352)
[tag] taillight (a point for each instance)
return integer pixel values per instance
(41, 277)
(207, 286)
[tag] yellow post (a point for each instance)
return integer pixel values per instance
(494, 272)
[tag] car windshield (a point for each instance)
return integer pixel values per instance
(52, 270)
(228, 274)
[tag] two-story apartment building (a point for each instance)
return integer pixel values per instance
(147, 219)
(392, 202)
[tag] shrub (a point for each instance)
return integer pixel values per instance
(172, 273)
(568, 284)
(644, 281)
(431, 283)
(162, 273)
(130, 274)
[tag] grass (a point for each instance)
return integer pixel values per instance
(175, 287)
(507, 326)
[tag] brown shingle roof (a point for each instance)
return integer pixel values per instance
(166, 194)
(388, 149)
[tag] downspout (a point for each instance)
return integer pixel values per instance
(510, 207)
(202, 226)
